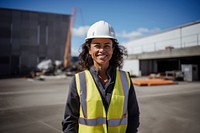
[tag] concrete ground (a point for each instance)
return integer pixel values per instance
(32, 106)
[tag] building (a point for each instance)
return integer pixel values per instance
(165, 51)
(27, 37)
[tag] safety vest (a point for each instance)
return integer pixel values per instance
(93, 117)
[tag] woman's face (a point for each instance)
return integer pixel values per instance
(101, 50)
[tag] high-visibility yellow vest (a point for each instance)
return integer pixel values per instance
(93, 117)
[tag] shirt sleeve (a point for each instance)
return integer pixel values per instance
(71, 115)
(133, 111)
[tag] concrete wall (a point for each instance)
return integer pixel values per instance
(132, 66)
(168, 53)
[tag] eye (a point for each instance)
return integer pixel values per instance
(107, 46)
(97, 46)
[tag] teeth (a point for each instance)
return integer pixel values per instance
(102, 56)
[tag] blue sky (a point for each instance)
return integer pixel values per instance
(130, 18)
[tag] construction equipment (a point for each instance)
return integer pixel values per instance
(174, 75)
(67, 56)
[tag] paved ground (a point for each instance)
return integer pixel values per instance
(28, 106)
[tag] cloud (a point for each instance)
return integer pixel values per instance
(140, 32)
(127, 37)
(80, 31)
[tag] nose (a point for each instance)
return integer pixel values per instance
(101, 49)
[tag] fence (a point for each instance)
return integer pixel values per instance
(177, 42)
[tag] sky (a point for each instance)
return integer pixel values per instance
(130, 19)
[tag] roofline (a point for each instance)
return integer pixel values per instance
(182, 26)
(170, 29)
(24, 10)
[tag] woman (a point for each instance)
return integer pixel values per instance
(101, 98)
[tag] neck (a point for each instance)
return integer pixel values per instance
(101, 68)
(102, 74)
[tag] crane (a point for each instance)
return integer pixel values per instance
(67, 56)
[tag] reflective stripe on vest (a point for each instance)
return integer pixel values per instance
(92, 122)
(83, 95)
(92, 112)
(125, 84)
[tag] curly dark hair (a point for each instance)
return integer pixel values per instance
(86, 61)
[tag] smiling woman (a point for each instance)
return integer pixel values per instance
(101, 33)
(101, 94)
(101, 51)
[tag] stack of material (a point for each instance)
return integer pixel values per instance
(152, 82)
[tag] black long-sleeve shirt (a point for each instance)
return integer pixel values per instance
(71, 116)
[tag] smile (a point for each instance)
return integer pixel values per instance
(101, 56)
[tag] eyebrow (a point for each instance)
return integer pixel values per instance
(107, 43)
(101, 43)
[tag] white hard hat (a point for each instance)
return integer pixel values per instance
(101, 29)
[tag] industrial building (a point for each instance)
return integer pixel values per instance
(28, 37)
(175, 49)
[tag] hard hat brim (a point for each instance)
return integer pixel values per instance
(99, 37)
